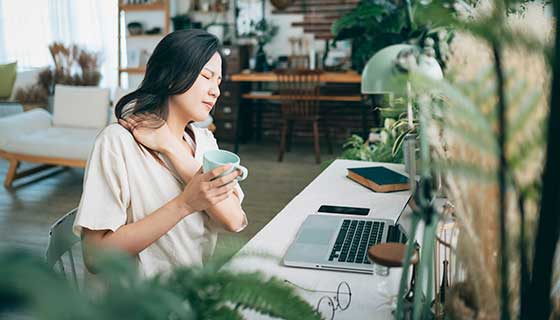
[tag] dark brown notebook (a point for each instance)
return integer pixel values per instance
(379, 179)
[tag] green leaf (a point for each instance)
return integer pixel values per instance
(363, 15)
(226, 313)
(278, 300)
(465, 169)
(528, 106)
(524, 151)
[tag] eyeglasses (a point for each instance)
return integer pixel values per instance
(327, 305)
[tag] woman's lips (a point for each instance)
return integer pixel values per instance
(210, 105)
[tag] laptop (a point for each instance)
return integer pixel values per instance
(340, 243)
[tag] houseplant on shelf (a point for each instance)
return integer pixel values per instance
(263, 32)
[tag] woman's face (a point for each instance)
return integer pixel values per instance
(195, 104)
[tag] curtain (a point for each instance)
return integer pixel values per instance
(27, 27)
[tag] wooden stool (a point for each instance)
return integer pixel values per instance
(392, 254)
(389, 255)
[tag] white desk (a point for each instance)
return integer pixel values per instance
(330, 187)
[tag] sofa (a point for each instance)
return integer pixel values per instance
(63, 138)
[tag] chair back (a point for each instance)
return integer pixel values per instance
(61, 241)
(298, 62)
(299, 91)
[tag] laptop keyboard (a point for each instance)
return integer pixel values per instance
(353, 240)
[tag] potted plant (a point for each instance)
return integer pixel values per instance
(263, 32)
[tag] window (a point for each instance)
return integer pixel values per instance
(27, 27)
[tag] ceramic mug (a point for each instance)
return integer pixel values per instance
(215, 158)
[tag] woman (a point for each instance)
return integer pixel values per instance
(135, 198)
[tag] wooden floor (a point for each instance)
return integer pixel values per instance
(27, 210)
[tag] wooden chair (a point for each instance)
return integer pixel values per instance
(61, 241)
(299, 91)
(298, 62)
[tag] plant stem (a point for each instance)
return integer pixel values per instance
(523, 258)
(409, 18)
(425, 265)
(549, 219)
(503, 264)
(410, 247)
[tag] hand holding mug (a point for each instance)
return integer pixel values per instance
(215, 158)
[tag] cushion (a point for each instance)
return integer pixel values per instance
(7, 78)
(24, 79)
(80, 107)
(67, 143)
(22, 124)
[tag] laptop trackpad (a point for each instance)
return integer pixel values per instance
(320, 236)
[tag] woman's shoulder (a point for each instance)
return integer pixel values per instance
(114, 134)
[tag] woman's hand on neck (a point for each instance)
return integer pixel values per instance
(145, 130)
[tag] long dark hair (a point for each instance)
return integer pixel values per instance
(172, 69)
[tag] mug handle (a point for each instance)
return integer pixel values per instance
(244, 172)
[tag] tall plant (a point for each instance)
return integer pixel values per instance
(487, 115)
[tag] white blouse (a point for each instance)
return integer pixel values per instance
(124, 183)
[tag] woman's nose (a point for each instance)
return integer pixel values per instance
(214, 91)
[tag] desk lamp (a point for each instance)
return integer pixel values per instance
(389, 72)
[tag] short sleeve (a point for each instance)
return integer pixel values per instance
(106, 193)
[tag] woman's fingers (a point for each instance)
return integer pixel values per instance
(125, 124)
(221, 196)
(136, 120)
(222, 189)
(214, 173)
(128, 123)
(225, 179)
(132, 121)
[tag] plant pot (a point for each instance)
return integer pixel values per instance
(261, 65)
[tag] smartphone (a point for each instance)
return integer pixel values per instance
(344, 210)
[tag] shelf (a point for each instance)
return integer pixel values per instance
(209, 12)
(143, 7)
(140, 8)
(133, 70)
(345, 98)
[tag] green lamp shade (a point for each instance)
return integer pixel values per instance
(379, 75)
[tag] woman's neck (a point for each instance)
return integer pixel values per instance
(177, 125)
(176, 121)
